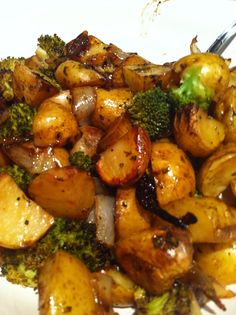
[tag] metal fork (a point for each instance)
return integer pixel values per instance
(223, 40)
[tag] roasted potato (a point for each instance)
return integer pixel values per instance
(154, 258)
(30, 87)
(218, 261)
(23, 222)
(143, 77)
(225, 112)
(173, 173)
(54, 124)
(129, 216)
(118, 79)
(110, 105)
(126, 161)
(67, 282)
(72, 73)
(196, 132)
(213, 70)
(214, 218)
(61, 191)
(218, 171)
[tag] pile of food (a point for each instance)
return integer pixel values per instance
(118, 178)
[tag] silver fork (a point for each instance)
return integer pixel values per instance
(223, 40)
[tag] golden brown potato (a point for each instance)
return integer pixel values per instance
(233, 186)
(54, 124)
(23, 222)
(72, 73)
(126, 161)
(30, 87)
(218, 261)
(129, 216)
(117, 129)
(213, 72)
(225, 112)
(173, 173)
(213, 216)
(67, 282)
(110, 105)
(197, 133)
(218, 171)
(89, 140)
(118, 75)
(61, 190)
(155, 258)
(143, 77)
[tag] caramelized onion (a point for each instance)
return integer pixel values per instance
(83, 102)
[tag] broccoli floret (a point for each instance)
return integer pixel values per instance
(21, 177)
(50, 46)
(7, 67)
(81, 160)
(192, 90)
(76, 237)
(153, 111)
(19, 121)
(175, 301)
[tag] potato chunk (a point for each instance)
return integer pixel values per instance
(23, 222)
(173, 173)
(29, 87)
(54, 124)
(218, 171)
(196, 132)
(64, 191)
(126, 161)
(213, 217)
(65, 287)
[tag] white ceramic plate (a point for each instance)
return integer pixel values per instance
(157, 32)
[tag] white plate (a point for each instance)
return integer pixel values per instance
(158, 33)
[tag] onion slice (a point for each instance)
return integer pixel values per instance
(105, 207)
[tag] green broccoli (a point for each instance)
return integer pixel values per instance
(76, 237)
(21, 177)
(152, 111)
(50, 46)
(7, 67)
(175, 301)
(81, 160)
(192, 90)
(19, 121)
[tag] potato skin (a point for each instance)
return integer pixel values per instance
(29, 87)
(152, 266)
(23, 222)
(173, 173)
(124, 162)
(218, 171)
(225, 112)
(218, 261)
(192, 135)
(72, 74)
(54, 125)
(110, 105)
(214, 72)
(61, 191)
(66, 281)
(212, 214)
